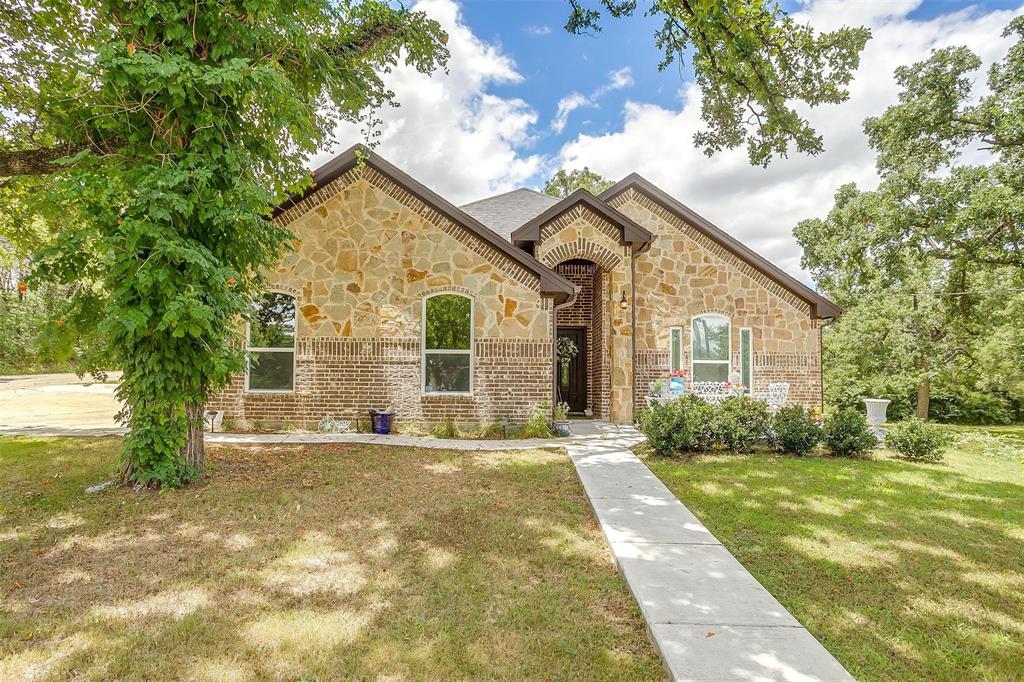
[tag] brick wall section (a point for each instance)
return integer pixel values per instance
(599, 347)
(345, 377)
(580, 313)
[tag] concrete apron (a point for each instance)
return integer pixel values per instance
(708, 618)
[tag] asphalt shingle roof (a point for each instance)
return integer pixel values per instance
(504, 213)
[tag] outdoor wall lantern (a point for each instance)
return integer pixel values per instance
(624, 303)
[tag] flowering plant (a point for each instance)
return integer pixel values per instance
(679, 373)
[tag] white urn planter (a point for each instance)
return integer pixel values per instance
(876, 408)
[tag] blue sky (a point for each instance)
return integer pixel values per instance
(513, 69)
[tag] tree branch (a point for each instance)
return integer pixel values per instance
(40, 161)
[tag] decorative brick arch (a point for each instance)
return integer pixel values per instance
(584, 249)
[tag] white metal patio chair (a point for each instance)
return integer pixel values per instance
(775, 396)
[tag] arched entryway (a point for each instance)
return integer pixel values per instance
(582, 381)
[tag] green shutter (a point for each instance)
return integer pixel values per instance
(675, 349)
(745, 357)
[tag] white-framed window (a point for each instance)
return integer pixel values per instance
(711, 347)
(675, 349)
(447, 360)
(747, 359)
(270, 344)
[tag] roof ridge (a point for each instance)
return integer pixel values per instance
(511, 191)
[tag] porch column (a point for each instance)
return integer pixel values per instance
(621, 350)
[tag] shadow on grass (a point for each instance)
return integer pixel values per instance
(902, 570)
(313, 561)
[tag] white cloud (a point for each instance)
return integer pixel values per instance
(566, 106)
(448, 116)
(761, 206)
(617, 80)
(538, 31)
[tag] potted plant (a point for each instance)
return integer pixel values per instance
(561, 423)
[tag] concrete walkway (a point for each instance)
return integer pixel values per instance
(707, 616)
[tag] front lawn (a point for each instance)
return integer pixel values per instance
(903, 571)
(309, 562)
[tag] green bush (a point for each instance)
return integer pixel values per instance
(795, 431)
(674, 426)
(446, 429)
(918, 440)
(539, 423)
(846, 433)
(741, 422)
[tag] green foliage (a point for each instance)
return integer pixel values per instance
(677, 426)
(538, 425)
(563, 183)
(42, 332)
(934, 224)
(448, 322)
(987, 445)
(493, 431)
(846, 433)
(446, 429)
(918, 440)
(752, 62)
(795, 431)
(186, 123)
(741, 422)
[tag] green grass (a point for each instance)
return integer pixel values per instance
(309, 562)
(903, 571)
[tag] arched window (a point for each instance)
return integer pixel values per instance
(447, 344)
(711, 348)
(270, 344)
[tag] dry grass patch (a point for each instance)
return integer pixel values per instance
(313, 562)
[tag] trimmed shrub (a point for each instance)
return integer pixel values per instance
(741, 422)
(446, 429)
(846, 433)
(918, 440)
(674, 426)
(539, 423)
(795, 431)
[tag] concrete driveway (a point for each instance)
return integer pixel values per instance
(57, 403)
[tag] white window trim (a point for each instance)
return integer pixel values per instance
(682, 342)
(693, 337)
(750, 386)
(446, 351)
(293, 350)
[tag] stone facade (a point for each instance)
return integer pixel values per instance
(369, 248)
(684, 273)
(362, 262)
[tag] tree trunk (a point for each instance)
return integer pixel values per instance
(923, 391)
(193, 452)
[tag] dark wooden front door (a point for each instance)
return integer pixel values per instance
(572, 375)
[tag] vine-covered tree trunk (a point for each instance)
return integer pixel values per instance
(194, 453)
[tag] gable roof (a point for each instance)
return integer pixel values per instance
(503, 213)
(551, 283)
(820, 306)
(632, 233)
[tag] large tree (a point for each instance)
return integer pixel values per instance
(563, 183)
(753, 63)
(165, 131)
(935, 223)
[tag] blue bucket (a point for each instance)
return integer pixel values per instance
(381, 421)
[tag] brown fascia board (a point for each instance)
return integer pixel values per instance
(632, 233)
(820, 306)
(551, 283)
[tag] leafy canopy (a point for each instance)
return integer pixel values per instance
(935, 224)
(753, 64)
(563, 183)
(166, 131)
